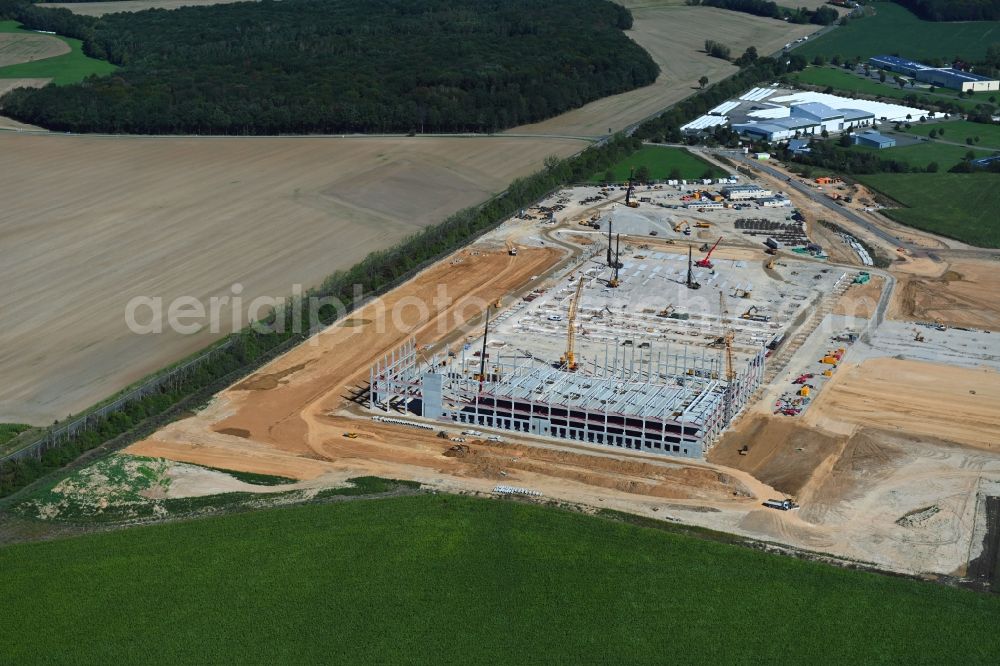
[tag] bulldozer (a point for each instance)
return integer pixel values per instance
(351, 435)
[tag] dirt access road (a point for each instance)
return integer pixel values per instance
(88, 223)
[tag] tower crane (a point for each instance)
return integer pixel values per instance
(705, 263)
(569, 358)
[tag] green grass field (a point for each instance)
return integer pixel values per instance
(447, 579)
(895, 30)
(842, 80)
(922, 154)
(959, 130)
(960, 206)
(67, 68)
(661, 161)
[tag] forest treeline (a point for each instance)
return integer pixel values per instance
(820, 16)
(954, 10)
(337, 66)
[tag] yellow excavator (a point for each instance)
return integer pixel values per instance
(569, 358)
(684, 226)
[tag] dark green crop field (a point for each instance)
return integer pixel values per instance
(445, 579)
(962, 206)
(895, 30)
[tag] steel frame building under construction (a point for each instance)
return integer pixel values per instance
(673, 404)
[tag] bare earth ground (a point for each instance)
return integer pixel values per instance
(959, 293)
(918, 398)
(87, 223)
(17, 47)
(101, 8)
(675, 37)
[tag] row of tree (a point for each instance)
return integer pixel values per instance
(820, 16)
(314, 66)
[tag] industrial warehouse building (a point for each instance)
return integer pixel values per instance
(808, 118)
(678, 408)
(873, 139)
(946, 77)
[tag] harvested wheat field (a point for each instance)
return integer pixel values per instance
(675, 37)
(914, 397)
(18, 47)
(101, 8)
(88, 223)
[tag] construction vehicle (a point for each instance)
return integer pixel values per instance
(919, 337)
(512, 251)
(628, 192)
(691, 284)
(862, 278)
(781, 505)
(613, 282)
(770, 264)
(683, 226)
(804, 391)
(751, 314)
(702, 225)
(745, 450)
(802, 379)
(351, 435)
(568, 359)
(667, 311)
(706, 262)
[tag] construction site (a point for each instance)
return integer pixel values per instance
(632, 348)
